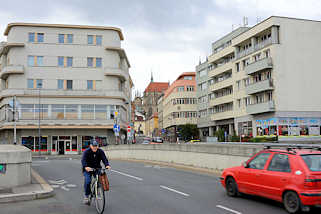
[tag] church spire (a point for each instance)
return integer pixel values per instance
(151, 78)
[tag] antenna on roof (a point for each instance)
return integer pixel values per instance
(245, 21)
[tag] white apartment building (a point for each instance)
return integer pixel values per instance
(69, 80)
(264, 80)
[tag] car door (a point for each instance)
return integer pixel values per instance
(249, 178)
(276, 176)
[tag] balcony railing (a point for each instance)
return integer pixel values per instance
(257, 87)
(259, 65)
(223, 115)
(260, 107)
(254, 48)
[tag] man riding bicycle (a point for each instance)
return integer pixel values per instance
(91, 159)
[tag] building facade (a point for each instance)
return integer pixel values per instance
(179, 105)
(66, 83)
(265, 80)
(152, 93)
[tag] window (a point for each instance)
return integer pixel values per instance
(90, 39)
(40, 37)
(190, 88)
(70, 38)
(239, 102)
(90, 84)
(69, 84)
(31, 37)
(313, 162)
(69, 61)
(98, 62)
(203, 73)
(39, 83)
(280, 163)
(98, 40)
(259, 161)
(30, 83)
(60, 61)
(238, 83)
(180, 88)
(90, 61)
(61, 38)
(98, 84)
(188, 78)
(237, 67)
(39, 60)
(31, 61)
(267, 53)
(60, 84)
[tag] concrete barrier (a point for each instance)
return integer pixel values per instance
(15, 165)
(211, 156)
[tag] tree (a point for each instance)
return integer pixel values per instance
(188, 131)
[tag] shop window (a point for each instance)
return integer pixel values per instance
(86, 142)
(101, 140)
(28, 142)
(54, 142)
(74, 144)
(304, 130)
(283, 130)
(43, 144)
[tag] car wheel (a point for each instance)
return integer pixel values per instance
(292, 202)
(231, 187)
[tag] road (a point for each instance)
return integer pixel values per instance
(138, 188)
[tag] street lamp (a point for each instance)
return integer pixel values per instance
(39, 85)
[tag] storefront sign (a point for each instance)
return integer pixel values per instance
(3, 168)
(314, 121)
(273, 121)
(293, 121)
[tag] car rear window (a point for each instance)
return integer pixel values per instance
(313, 162)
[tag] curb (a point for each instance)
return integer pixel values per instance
(28, 196)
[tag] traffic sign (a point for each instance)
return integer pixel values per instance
(128, 128)
(116, 128)
(116, 113)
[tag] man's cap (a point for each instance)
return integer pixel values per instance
(94, 143)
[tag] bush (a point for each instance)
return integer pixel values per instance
(264, 139)
(220, 135)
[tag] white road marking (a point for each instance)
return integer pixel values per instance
(65, 188)
(173, 190)
(71, 185)
(55, 186)
(41, 161)
(228, 209)
(59, 182)
(125, 174)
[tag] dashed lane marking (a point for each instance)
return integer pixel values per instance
(128, 175)
(174, 190)
(228, 209)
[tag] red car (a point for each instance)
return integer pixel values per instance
(291, 175)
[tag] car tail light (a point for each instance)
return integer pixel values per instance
(310, 181)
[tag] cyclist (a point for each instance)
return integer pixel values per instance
(91, 158)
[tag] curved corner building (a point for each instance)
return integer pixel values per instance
(63, 83)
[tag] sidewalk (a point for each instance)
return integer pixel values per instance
(38, 189)
(60, 157)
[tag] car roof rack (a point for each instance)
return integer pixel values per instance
(292, 147)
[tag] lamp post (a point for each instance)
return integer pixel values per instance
(39, 85)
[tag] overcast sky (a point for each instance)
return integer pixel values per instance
(166, 37)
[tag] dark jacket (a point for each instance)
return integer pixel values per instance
(93, 159)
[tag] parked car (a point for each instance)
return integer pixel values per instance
(157, 140)
(291, 176)
(193, 141)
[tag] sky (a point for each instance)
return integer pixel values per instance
(165, 37)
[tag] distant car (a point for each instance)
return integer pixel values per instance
(291, 176)
(146, 142)
(193, 141)
(157, 140)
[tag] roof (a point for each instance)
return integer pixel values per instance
(296, 151)
(186, 74)
(157, 87)
(181, 82)
(21, 24)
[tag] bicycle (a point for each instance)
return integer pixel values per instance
(96, 190)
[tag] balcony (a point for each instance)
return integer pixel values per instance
(253, 48)
(220, 54)
(221, 69)
(259, 65)
(116, 73)
(11, 69)
(221, 100)
(265, 85)
(113, 94)
(222, 84)
(222, 115)
(260, 107)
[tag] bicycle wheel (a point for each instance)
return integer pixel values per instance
(100, 198)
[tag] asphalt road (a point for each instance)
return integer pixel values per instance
(138, 188)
